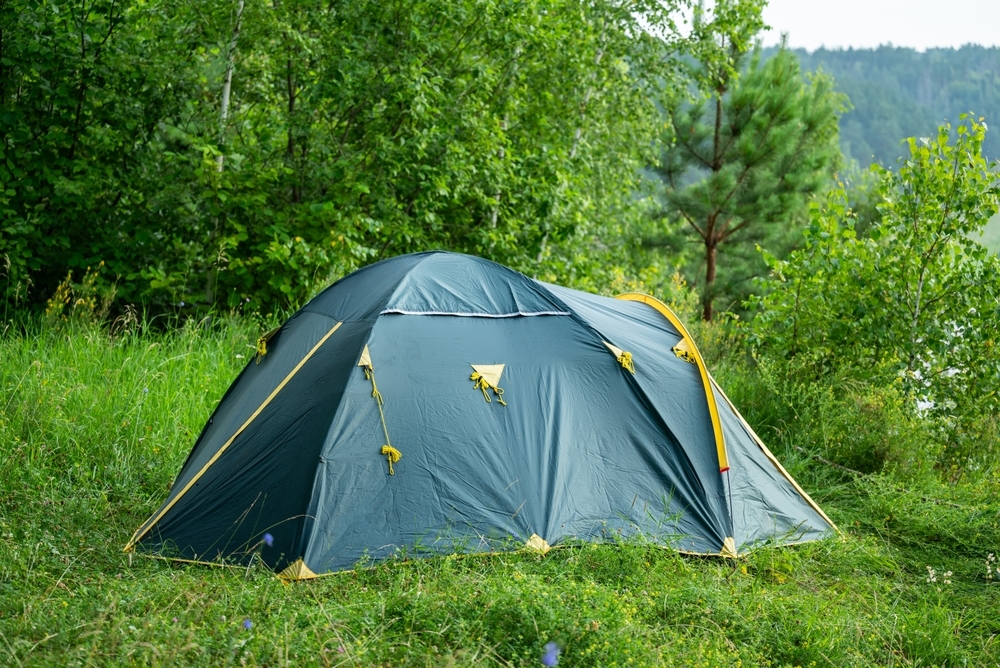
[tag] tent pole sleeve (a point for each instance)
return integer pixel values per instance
(144, 529)
(713, 408)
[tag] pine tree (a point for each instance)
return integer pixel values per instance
(748, 151)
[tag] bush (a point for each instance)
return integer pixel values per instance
(860, 426)
(897, 328)
(917, 299)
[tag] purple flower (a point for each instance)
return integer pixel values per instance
(551, 656)
(268, 539)
(175, 620)
(247, 624)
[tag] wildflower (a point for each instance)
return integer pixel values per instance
(340, 649)
(247, 624)
(175, 620)
(181, 304)
(268, 539)
(551, 656)
(947, 577)
(931, 575)
(145, 390)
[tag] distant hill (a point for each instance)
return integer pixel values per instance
(991, 235)
(898, 93)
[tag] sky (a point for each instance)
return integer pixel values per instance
(919, 24)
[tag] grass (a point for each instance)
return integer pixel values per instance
(93, 428)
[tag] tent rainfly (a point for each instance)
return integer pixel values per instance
(507, 413)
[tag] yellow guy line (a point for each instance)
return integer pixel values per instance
(141, 531)
(713, 409)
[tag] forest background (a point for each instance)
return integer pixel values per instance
(350, 134)
(176, 178)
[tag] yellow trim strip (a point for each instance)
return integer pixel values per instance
(199, 562)
(713, 409)
(774, 460)
(141, 531)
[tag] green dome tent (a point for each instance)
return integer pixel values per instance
(436, 403)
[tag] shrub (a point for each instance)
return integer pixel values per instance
(909, 311)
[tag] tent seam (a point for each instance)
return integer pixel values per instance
(517, 314)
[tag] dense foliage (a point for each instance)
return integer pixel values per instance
(354, 131)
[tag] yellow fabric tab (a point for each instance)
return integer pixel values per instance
(537, 543)
(262, 343)
(683, 350)
(729, 548)
(624, 358)
(366, 359)
(487, 376)
(491, 372)
(297, 570)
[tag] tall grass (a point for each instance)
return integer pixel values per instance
(93, 428)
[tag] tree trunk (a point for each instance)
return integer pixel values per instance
(290, 149)
(211, 279)
(227, 85)
(707, 296)
(501, 153)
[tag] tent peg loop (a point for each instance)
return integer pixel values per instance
(391, 454)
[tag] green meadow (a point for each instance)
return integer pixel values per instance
(94, 424)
